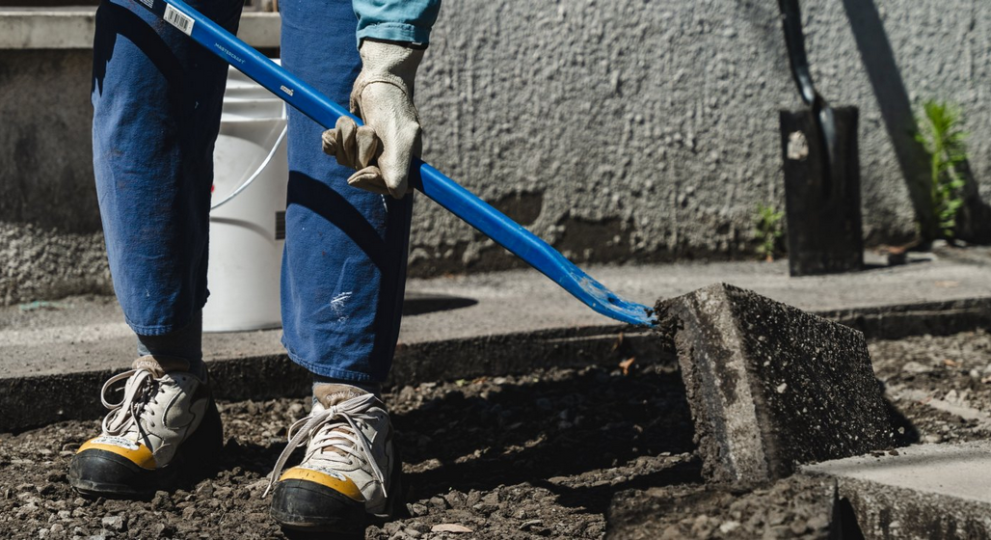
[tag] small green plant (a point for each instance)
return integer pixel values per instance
(768, 230)
(943, 138)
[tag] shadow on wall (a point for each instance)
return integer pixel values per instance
(896, 109)
(974, 217)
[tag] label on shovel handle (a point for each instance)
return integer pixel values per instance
(179, 20)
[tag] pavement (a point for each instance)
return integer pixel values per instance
(922, 491)
(490, 324)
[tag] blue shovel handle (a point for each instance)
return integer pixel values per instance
(424, 177)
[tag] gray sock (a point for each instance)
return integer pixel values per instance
(185, 343)
(373, 388)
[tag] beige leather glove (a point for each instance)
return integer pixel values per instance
(382, 97)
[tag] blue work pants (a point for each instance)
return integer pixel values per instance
(157, 100)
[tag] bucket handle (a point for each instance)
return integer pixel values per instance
(254, 176)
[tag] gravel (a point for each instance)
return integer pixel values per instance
(550, 454)
(942, 384)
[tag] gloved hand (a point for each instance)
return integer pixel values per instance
(382, 97)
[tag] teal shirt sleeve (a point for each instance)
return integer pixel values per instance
(396, 20)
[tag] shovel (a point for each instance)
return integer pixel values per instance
(430, 181)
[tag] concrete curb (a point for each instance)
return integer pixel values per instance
(73, 28)
(885, 512)
(34, 401)
(921, 491)
(901, 321)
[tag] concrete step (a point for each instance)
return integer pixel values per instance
(507, 322)
(917, 492)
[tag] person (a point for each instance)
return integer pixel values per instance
(157, 100)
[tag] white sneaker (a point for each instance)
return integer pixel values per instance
(166, 418)
(350, 469)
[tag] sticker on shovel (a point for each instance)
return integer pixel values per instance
(179, 20)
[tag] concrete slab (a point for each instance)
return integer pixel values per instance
(923, 492)
(771, 386)
(519, 320)
(925, 296)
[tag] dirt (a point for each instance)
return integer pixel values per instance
(941, 384)
(796, 507)
(588, 453)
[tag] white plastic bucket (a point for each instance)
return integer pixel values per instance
(247, 230)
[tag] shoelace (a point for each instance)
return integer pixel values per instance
(348, 411)
(124, 415)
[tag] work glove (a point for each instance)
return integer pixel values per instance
(382, 97)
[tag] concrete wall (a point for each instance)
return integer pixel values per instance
(648, 130)
(50, 240)
(627, 130)
(51, 243)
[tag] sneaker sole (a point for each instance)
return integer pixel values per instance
(304, 507)
(301, 505)
(99, 473)
(395, 507)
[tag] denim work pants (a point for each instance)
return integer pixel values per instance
(157, 100)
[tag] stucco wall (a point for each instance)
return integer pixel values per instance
(655, 124)
(620, 130)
